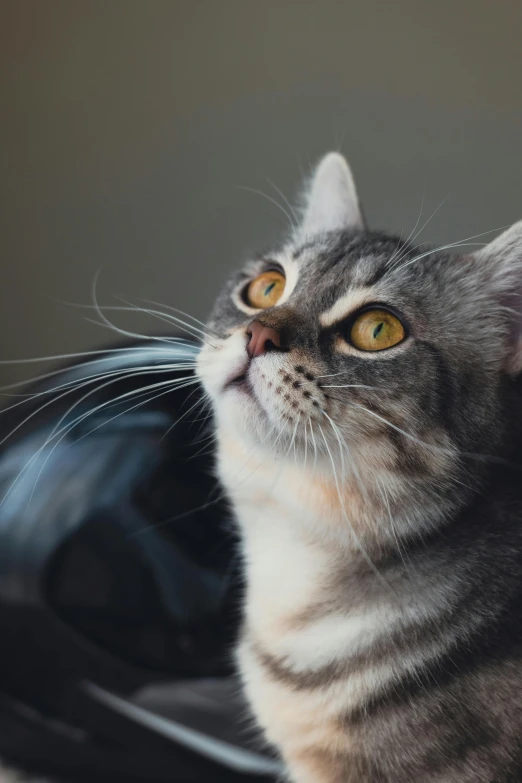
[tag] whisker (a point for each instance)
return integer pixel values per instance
(408, 435)
(460, 243)
(398, 252)
(268, 198)
(356, 539)
(292, 441)
(105, 321)
(290, 207)
(353, 386)
(78, 383)
(81, 354)
(441, 449)
(353, 463)
(70, 427)
(165, 317)
(73, 383)
(176, 387)
(173, 384)
(314, 443)
(222, 496)
(194, 330)
(181, 417)
(332, 374)
(115, 377)
(421, 229)
(400, 548)
(205, 449)
(187, 315)
(46, 405)
(207, 414)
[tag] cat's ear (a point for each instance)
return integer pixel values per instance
(501, 263)
(331, 201)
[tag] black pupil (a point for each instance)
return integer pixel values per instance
(378, 329)
(269, 288)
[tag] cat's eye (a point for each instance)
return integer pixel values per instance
(266, 290)
(376, 330)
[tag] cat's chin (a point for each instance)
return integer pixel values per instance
(242, 417)
(239, 405)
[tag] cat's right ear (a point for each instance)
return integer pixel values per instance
(500, 263)
(331, 201)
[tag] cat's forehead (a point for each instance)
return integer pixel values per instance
(327, 269)
(359, 259)
(330, 275)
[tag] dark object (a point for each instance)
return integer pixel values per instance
(118, 582)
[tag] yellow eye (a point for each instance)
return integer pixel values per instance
(266, 290)
(376, 330)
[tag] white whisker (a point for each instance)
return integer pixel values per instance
(187, 315)
(305, 443)
(421, 229)
(295, 220)
(105, 321)
(75, 423)
(67, 428)
(460, 243)
(72, 384)
(408, 435)
(166, 317)
(352, 386)
(268, 198)
(181, 417)
(397, 253)
(131, 308)
(81, 354)
(314, 444)
(354, 535)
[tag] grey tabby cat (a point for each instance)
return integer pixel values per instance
(367, 401)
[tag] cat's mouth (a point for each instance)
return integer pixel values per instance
(238, 381)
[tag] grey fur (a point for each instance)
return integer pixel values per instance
(456, 713)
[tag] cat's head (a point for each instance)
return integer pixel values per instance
(364, 351)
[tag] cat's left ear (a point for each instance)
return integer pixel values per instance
(501, 264)
(331, 201)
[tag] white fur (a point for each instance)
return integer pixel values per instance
(331, 201)
(332, 637)
(346, 305)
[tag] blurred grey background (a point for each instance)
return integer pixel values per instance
(128, 125)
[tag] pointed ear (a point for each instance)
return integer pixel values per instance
(331, 201)
(501, 263)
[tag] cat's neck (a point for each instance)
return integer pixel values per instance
(311, 543)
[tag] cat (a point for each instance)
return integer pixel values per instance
(367, 402)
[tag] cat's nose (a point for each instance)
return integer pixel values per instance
(262, 339)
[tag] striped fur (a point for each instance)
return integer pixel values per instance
(379, 498)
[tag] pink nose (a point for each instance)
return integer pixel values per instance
(262, 339)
